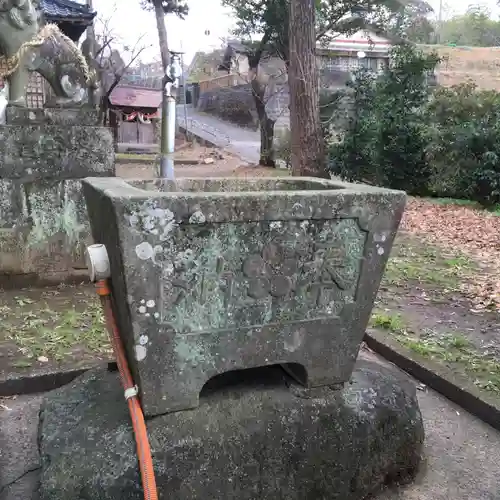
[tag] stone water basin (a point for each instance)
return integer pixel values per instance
(215, 275)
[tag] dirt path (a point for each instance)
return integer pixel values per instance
(223, 169)
(212, 163)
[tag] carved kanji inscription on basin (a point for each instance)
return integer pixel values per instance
(225, 276)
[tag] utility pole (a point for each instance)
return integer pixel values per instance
(184, 91)
(91, 31)
(440, 21)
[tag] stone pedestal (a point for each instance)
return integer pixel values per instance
(43, 219)
(83, 117)
(211, 276)
(255, 436)
(255, 294)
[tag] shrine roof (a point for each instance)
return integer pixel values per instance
(67, 10)
(135, 97)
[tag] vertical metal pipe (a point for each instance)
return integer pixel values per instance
(184, 90)
(164, 131)
(169, 167)
(170, 89)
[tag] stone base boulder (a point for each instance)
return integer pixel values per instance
(270, 439)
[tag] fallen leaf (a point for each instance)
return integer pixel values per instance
(474, 232)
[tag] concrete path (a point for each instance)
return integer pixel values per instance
(19, 457)
(461, 453)
(242, 142)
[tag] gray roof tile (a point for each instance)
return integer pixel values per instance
(56, 9)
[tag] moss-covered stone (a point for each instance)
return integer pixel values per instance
(33, 152)
(84, 117)
(216, 275)
(263, 437)
(43, 215)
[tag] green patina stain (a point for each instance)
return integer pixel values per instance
(51, 217)
(224, 276)
(204, 300)
(192, 314)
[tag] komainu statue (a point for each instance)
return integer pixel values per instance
(26, 45)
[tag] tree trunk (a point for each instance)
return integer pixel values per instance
(104, 110)
(267, 143)
(162, 34)
(308, 154)
(265, 124)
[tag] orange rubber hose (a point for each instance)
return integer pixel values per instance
(138, 422)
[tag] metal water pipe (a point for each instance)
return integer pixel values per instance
(170, 88)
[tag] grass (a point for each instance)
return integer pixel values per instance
(415, 261)
(135, 156)
(466, 203)
(454, 349)
(389, 322)
(62, 329)
(424, 269)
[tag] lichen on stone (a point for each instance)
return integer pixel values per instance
(53, 215)
(191, 353)
(224, 276)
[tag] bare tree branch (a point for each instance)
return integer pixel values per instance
(112, 61)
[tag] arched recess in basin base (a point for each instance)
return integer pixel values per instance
(258, 377)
